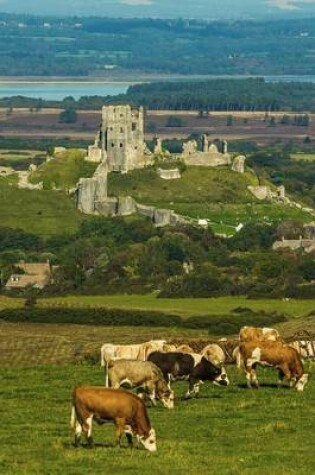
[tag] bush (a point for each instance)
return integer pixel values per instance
(231, 324)
(91, 316)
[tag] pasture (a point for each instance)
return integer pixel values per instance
(229, 430)
(184, 307)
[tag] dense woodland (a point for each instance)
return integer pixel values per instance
(92, 46)
(115, 255)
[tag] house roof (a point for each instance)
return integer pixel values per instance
(35, 273)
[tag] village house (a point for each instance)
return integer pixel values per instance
(36, 274)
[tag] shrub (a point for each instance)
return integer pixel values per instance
(91, 316)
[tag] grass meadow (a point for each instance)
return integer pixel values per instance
(184, 307)
(229, 430)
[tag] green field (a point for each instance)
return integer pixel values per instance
(303, 156)
(229, 430)
(185, 307)
(39, 212)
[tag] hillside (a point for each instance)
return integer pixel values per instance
(39, 212)
(64, 171)
(217, 194)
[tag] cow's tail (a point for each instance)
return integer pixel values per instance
(73, 417)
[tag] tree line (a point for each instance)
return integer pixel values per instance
(117, 255)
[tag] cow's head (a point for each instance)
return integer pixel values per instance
(301, 382)
(221, 379)
(167, 399)
(149, 442)
(210, 372)
(165, 394)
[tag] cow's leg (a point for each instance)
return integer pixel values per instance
(151, 392)
(193, 388)
(87, 430)
(77, 434)
(106, 374)
(254, 378)
(129, 435)
(287, 374)
(120, 429)
(250, 375)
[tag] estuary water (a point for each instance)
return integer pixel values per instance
(58, 90)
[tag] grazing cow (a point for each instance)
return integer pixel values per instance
(273, 353)
(183, 366)
(126, 410)
(256, 333)
(130, 352)
(144, 374)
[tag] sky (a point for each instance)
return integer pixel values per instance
(205, 9)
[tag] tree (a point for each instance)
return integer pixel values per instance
(174, 121)
(229, 120)
(68, 116)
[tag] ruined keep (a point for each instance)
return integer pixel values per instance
(122, 138)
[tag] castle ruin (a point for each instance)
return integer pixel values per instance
(120, 147)
(122, 138)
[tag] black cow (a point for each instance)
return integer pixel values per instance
(185, 366)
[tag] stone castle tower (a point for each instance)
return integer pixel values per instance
(122, 138)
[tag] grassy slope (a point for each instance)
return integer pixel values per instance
(63, 171)
(214, 193)
(186, 307)
(227, 430)
(198, 184)
(40, 212)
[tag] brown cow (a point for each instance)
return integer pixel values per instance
(260, 334)
(273, 353)
(126, 410)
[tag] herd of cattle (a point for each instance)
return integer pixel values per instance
(152, 366)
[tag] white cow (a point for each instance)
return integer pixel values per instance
(138, 351)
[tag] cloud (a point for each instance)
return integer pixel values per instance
(136, 3)
(290, 5)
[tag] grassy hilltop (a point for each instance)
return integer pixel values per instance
(217, 194)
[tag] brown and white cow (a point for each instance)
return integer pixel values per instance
(141, 374)
(138, 351)
(260, 334)
(273, 353)
(126, 410)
